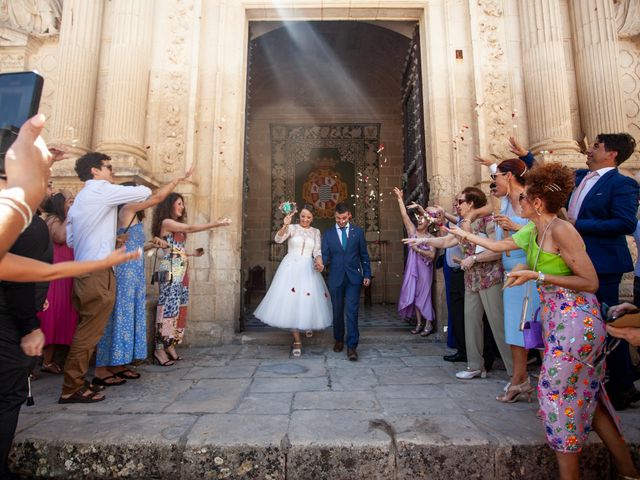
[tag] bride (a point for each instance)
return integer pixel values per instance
(298, 298)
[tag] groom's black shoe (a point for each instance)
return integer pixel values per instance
(352, 354)
(338, 347)
(455, 357)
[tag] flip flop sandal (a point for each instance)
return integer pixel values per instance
(127, 374)
(103, 381)
(94, 388)
(83, 396)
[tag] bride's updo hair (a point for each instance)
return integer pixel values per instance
(308, 207)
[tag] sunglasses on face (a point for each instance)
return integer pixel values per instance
(461, 201)
(495, 175)
(523, 196)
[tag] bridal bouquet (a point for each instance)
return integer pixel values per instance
(287, 207)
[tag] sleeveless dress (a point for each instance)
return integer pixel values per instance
(174, 295)
(125, 337)
(514, 296)
(415, 292)
(572, 373)
(297, 297)
(59, 321)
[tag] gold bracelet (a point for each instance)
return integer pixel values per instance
(6, 201)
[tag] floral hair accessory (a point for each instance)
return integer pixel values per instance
(287, 207)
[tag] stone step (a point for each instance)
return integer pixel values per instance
(249, 411)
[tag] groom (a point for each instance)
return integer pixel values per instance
(344, 250)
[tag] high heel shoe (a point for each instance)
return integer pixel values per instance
(513, 392)
(296, 349)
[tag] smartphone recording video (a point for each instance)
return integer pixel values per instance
(20, 94)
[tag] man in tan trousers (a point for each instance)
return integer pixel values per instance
(91, 232)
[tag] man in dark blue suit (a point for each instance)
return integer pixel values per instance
(344, 251)
(603, 209)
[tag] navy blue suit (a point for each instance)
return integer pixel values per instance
(606, 216)
(347, 269)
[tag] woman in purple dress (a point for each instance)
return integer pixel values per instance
(415, 294)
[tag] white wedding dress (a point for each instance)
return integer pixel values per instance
(297, 297)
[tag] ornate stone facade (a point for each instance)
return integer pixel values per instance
(163, 85)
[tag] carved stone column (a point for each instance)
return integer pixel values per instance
(546, 87)
(597, 59)
(126, 84)
(79, 47)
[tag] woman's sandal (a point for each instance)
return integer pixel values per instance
(103, 381)
(127, 374)
(51, 368)
(166, 363)
(84, 395)
(175, 358)
(309, 333)
(428, 330)
(418, 328)
(513, 392)
(296, 352)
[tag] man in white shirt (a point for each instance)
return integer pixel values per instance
(91, 232)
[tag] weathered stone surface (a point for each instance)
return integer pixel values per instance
(301, 420)
(336, 401)
(265, 404)
(210, 396)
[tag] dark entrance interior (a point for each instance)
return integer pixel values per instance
(341, 101)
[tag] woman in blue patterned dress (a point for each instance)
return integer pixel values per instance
(169, 224)
(570, 390)
(125, 337)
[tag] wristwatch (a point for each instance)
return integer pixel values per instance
(475, 258)
(540, 278)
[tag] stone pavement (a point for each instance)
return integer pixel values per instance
(249, 411)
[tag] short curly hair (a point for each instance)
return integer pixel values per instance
(552, 183)
(476, 196)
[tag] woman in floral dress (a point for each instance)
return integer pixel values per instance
(570, 390)
(169, 224)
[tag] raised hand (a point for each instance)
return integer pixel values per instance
(516, 147)
(187, 174)
(416, 241)
(120, 255)
(520, 277)
(457, 231)
(399, 193)
(223, 221)
(506, 223)
(483, 161)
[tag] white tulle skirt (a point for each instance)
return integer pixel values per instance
(298, 298)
